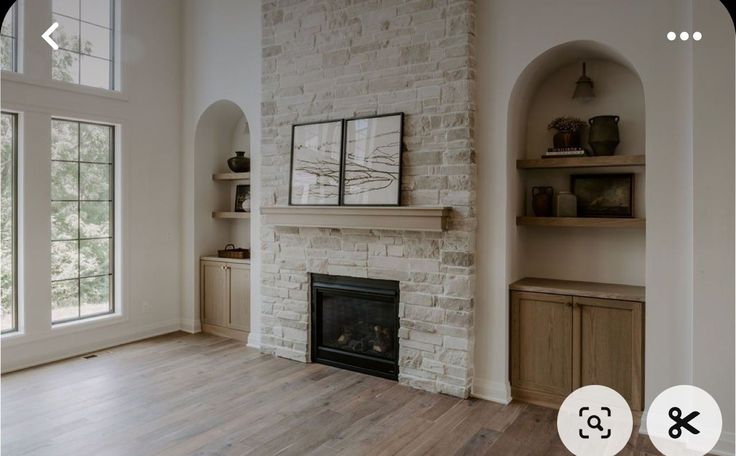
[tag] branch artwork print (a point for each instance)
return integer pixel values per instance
(373, 161)
(316, 160)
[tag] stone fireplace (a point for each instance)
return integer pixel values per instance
(326, 59)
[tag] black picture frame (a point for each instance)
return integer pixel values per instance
(395, 201)
(339, 155)
(242, 194)
(604, 195)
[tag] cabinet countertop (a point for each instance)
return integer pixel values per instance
(585, 289)
(224, 260)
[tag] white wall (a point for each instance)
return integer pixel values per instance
(222, 61)
(635, 30)
(147, 112)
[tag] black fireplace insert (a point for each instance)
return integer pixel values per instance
(355, 324)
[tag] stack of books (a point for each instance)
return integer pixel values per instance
(561, 152)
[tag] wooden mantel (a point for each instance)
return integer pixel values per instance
(407, 218)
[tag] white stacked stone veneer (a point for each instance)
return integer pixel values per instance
(333, 59)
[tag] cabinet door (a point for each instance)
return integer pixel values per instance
(608, 339)
(541, 342)
(240, 297)
(215, 294)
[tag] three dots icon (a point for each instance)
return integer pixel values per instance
(684, 36)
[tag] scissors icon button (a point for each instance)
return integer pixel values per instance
(676, 430)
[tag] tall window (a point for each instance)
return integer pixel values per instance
(9, 37)
(8, 172)
(81, 220)
(85, 38)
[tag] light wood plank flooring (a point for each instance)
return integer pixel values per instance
(183, 394)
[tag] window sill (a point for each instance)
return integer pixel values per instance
(62, 329)
(22, 78)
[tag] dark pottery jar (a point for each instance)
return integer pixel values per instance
(239, 163)
(542, 198)
(603, 135)
(566, 139)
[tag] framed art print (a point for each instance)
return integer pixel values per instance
(316, 161)
(604, 195)
(242, 198)
(372, 160)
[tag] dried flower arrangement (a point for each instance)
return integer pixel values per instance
(569, 124)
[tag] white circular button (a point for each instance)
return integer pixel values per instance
(697, 36)
(684, 36)
(684, 421)
(594, 420)
(671, 36)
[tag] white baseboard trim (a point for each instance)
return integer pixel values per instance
(143, 332)
(491, 391)
(254, 340)
(725, 447)
(191, 326)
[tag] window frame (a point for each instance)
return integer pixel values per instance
(112, 259)
(114, 36)
(15, 288)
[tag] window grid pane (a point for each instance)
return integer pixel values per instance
(8, 226)
(86, 41)
(9, 40)
(82, 242)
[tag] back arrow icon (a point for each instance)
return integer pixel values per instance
(47, 35)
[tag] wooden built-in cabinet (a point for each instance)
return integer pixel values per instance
(225, 297)
(565, 335)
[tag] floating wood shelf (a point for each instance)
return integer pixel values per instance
(415, 218)
(586, 289)
(583, 222)
(582, 162)
(231, 177)
(231, 215)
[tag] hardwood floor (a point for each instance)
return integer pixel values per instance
(183, 394)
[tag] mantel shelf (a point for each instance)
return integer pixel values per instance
(582, 222)
(231, 215)
(231, 177)
(414, 218)
(582, 162)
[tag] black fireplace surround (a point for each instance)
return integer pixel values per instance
(355, 324)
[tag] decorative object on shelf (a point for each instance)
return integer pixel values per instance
(242, 198)
(604, 195)
(372, 160)
(234, 253)
(567, 205)
(603, 135)
(239, 163)
(584, 87)
(568, 132)
(542, 201)
(316, 162)
(558, 152)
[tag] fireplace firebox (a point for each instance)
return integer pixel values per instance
(355, 324)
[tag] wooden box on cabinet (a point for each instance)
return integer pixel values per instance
(225, 297)
(561, 341)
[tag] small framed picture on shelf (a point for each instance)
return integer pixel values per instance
(604, 195)
(316, 163)
(242, 198)
(372, 160)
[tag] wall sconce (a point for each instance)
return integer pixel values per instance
(584, 87)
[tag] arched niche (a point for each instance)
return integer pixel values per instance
(221, 130)
(542, 92)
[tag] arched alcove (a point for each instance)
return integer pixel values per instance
(221, 130)
(542, 92)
